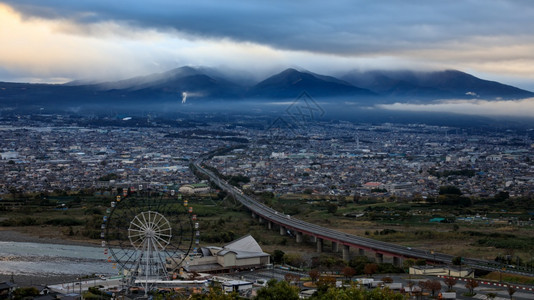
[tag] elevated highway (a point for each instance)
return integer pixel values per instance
(338, 238)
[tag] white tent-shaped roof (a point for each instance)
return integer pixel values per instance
(246, 243)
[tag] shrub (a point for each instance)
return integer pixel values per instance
(64, 222)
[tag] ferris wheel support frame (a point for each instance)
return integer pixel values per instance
(152, 238)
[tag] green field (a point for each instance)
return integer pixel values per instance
(501, 230)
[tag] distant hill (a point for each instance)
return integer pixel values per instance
(438, 84)
(172, 83)
(215, 85)
(167, 86)
(291, 83)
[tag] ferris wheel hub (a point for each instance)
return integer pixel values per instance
(150, 231)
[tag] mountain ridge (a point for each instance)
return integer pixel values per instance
(201, 83)
(291, 82)
(443, 84)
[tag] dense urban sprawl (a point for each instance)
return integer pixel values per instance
(327, 158)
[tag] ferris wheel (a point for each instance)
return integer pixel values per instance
(148, 235)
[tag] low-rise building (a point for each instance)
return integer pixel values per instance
(241, 254)
(442, 271)
(197, 188)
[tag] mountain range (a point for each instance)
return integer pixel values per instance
(448, 84)
(212, 84)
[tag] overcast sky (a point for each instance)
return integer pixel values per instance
(62, 40)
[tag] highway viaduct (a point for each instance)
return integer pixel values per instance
(338, 239)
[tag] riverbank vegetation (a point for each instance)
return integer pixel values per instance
(500, 230)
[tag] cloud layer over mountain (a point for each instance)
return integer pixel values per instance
(59, 39)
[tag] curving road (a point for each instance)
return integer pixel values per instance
(342, 238)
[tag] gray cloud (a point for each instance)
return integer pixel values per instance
(517, 108)
(119, 39)
(340, 28)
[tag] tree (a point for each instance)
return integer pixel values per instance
(388, 268)
(423, 285)
(501, 196)
(457, 260)
(349, 272)
(314, 274)
(420, 262)
(449, 190)
(471, 285)
(434, 286)
(292, 279)
(407, 263)
(236, 180)
(215, 293)
(450, 282)
(452, 199)
(491, 295)
(294, 259)
(370, 269)
(387, 279)
(357, 292)
(278, 256)
(332, 208)
(358, 263)
(329, 262)
(222, 194)
(278, 290)
(511, 291)
(431, 285)
(25, 293)
(324, 283)
(95, 293)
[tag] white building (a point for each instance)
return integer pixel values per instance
(243, 253)
(9, 155)
(197, 188)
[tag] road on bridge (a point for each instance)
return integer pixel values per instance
(320, 232)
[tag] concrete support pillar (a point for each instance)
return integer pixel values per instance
(270, 225)
(282, 230)
(361, 252)
(379, 257)
(396, 261)
(319, 245)
(346, 253)
(261, 220)
(335, 247)
(299, 237)
(253, 215)
(313, 239)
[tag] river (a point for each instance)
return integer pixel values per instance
(23, 258)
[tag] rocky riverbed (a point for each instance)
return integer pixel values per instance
(37, 279)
